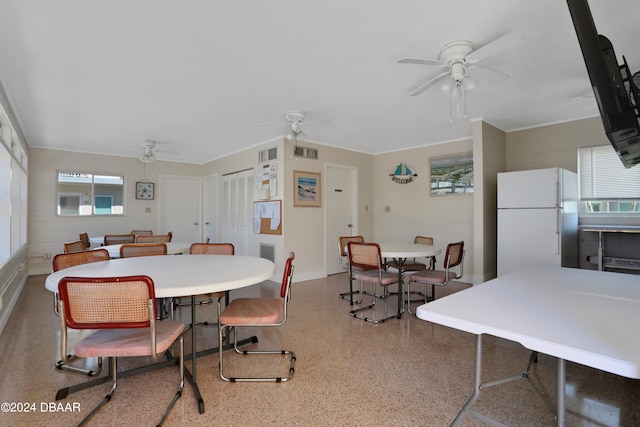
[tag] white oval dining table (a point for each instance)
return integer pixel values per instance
(175, 276)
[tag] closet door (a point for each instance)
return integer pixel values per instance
(237, 210)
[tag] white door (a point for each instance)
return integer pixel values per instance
(210, 211)
(237, 210)
(180, 207)
(341, 211)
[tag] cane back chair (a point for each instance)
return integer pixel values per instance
(204, 299)
(343, 258)
(122, 310)
(59, 262)
(367, 258)
(453, 265)
(258, 312)
(129, 250)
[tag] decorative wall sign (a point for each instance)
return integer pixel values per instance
(403, 174)
(451, 175)
(144, 190)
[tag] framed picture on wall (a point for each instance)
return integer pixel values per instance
(144, 190)
(451, 174)
(307, 189)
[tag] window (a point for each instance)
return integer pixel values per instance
(81, 193)
(13, 190)
(606, 186)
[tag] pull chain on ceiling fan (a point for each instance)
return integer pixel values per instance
(463, 69)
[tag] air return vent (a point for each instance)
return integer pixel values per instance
(307, 153)
(268, 252)
(266, 155)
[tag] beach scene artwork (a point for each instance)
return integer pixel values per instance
(308, 189)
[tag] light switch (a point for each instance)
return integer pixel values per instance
(387, 208)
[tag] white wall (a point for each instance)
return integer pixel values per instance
(48, 232)
(413, 211)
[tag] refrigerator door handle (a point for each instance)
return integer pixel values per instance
(559, 214)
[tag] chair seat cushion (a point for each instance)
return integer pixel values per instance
(129, 342)
(436, 277)
(408, 265)
(373, 276)
(252, 311)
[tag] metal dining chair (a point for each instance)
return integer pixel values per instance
(256, 313)
(59, 262)
(366, 257)
(118, 239)
(129, 250)
(343, 258)
(122, 311)
(151, 238)
(74, 247)
(205, 299)
(84, 238)
(453, 269)
(142, 232)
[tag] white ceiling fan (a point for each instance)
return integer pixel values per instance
(148, 155)
(462, 68)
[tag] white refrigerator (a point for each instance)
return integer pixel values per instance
(537, 219)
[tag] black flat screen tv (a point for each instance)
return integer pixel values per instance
(615, 93)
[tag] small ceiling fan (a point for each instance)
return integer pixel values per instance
(148, 155)
(462, 68)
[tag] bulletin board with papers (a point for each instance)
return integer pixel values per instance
(267, 217)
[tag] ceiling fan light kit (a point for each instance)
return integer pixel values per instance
(460, 58)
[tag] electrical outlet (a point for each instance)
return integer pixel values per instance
(387, 208)
(46, 255)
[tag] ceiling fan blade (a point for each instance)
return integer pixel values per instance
(429, 83)
(486, 74)
(422, 61)
(504, 43)
(173, 153)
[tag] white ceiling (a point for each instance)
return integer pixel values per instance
(197, 76)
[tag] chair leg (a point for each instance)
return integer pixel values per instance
(63, 364)
(425, 294)
(228, 328)
(178, 394)
(108, 396)
(354, 313)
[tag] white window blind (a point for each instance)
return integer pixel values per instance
(603, 177)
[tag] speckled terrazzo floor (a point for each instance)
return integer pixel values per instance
(399, 373)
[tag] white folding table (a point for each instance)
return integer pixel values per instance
(175, 276)
(578, 315)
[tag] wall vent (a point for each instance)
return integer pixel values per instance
(307, 153)
(266, 155)
(268, 252)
